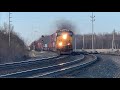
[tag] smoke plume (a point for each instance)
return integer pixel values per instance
(65, 24)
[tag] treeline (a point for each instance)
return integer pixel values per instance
(101, 41)
(17, 49)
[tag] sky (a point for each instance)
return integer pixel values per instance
(31, 25)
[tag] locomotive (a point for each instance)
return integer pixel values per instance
(61, 41)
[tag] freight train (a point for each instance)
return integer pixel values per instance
(61, 42)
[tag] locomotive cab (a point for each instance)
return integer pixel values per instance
(64, 40)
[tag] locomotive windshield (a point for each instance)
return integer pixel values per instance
(69, 32)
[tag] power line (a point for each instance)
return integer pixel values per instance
(92, 29)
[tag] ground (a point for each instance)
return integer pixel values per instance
(107, 67)
(42, 54)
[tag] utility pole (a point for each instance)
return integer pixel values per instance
(92, 29)
(94, 41)
(83, 41)
(9, 26)
(113, 40)
(75, 43)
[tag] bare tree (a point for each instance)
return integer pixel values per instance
(17, 49)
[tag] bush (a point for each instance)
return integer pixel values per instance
(17, 49)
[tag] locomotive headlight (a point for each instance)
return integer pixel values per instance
(68, 44)
(60, 44)
(64, 36)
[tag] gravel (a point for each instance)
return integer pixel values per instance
(108, 66)
(42, 54)
(88, 58)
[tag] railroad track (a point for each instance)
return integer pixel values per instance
(66, 71)
(31, 72)
(24, 65)
(54, 70)
(74, 69)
